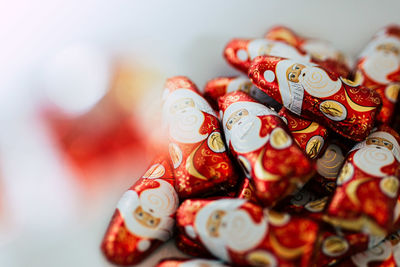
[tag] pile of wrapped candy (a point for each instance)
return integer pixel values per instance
(295, 164)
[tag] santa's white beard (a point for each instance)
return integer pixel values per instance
(245, 135)
(380, 64)
(317, 82)
(159, 202)
(371, 159)
(184, 126)
(239, 231)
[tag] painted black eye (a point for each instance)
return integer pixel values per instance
(240, 113)
(296, 67)
(385, 143)
(212, 229)
(292, 76)
(151, 222)
(216, 216)
(140, 214)
(374, 141)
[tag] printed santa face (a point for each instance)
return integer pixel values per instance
(378, 68)
(190, 263)
(322, 52)
(240, 52)
(197, 151)
(368, 185)
(259, 140)
(144, 217)
(243, 234)
(311, 92)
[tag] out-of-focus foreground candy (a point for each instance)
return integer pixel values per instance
(244, 234)
(322, 52)
(200, 160)
(144, 217)
(260, 141)
(378, 68)
(315, 94)
(368, 185)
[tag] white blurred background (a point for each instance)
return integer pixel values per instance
(62, 108)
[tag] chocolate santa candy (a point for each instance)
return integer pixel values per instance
(144, 218)
(309, 135)
(378, 68)
(240, 52)
(322, 52)
(190, 263)
(242, 233)
(315, 94)
(260, 141)
(218, 87)
(368, 185)
(199, 157)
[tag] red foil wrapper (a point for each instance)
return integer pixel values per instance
(244, 234)
(260, 141)
(378, 68)
(218, 87)
(337, 245)
(144, 218)
(322, 52)
(190, 263)
(386, 254)
(318, 95)
(200, 160)
(309, 135)
(368, 185)
(240, 52)
(247, 190)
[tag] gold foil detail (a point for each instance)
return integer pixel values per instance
(356, 106)
(215, 142)
(190, 165)
(260, 172)
(389, 186)
(334, 246)
(285, 252)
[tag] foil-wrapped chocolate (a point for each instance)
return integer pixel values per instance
(198, 154)
(378, 68)
(322, 52)
(368, 185)
(240, 52)
(243, 234)
(260, 141)
(315, 94)
(144, 218)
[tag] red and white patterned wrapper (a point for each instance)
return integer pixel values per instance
(239, 53)
(386, 254)
(259, 139)
(322, 52)
(199, 157)
(190, 263)
(368, 185)
(247, 190)
(144, 218)
(221, 86)
(336, 245)
(242, 233)
(378, 68)
(309, 135)
(316, 94)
